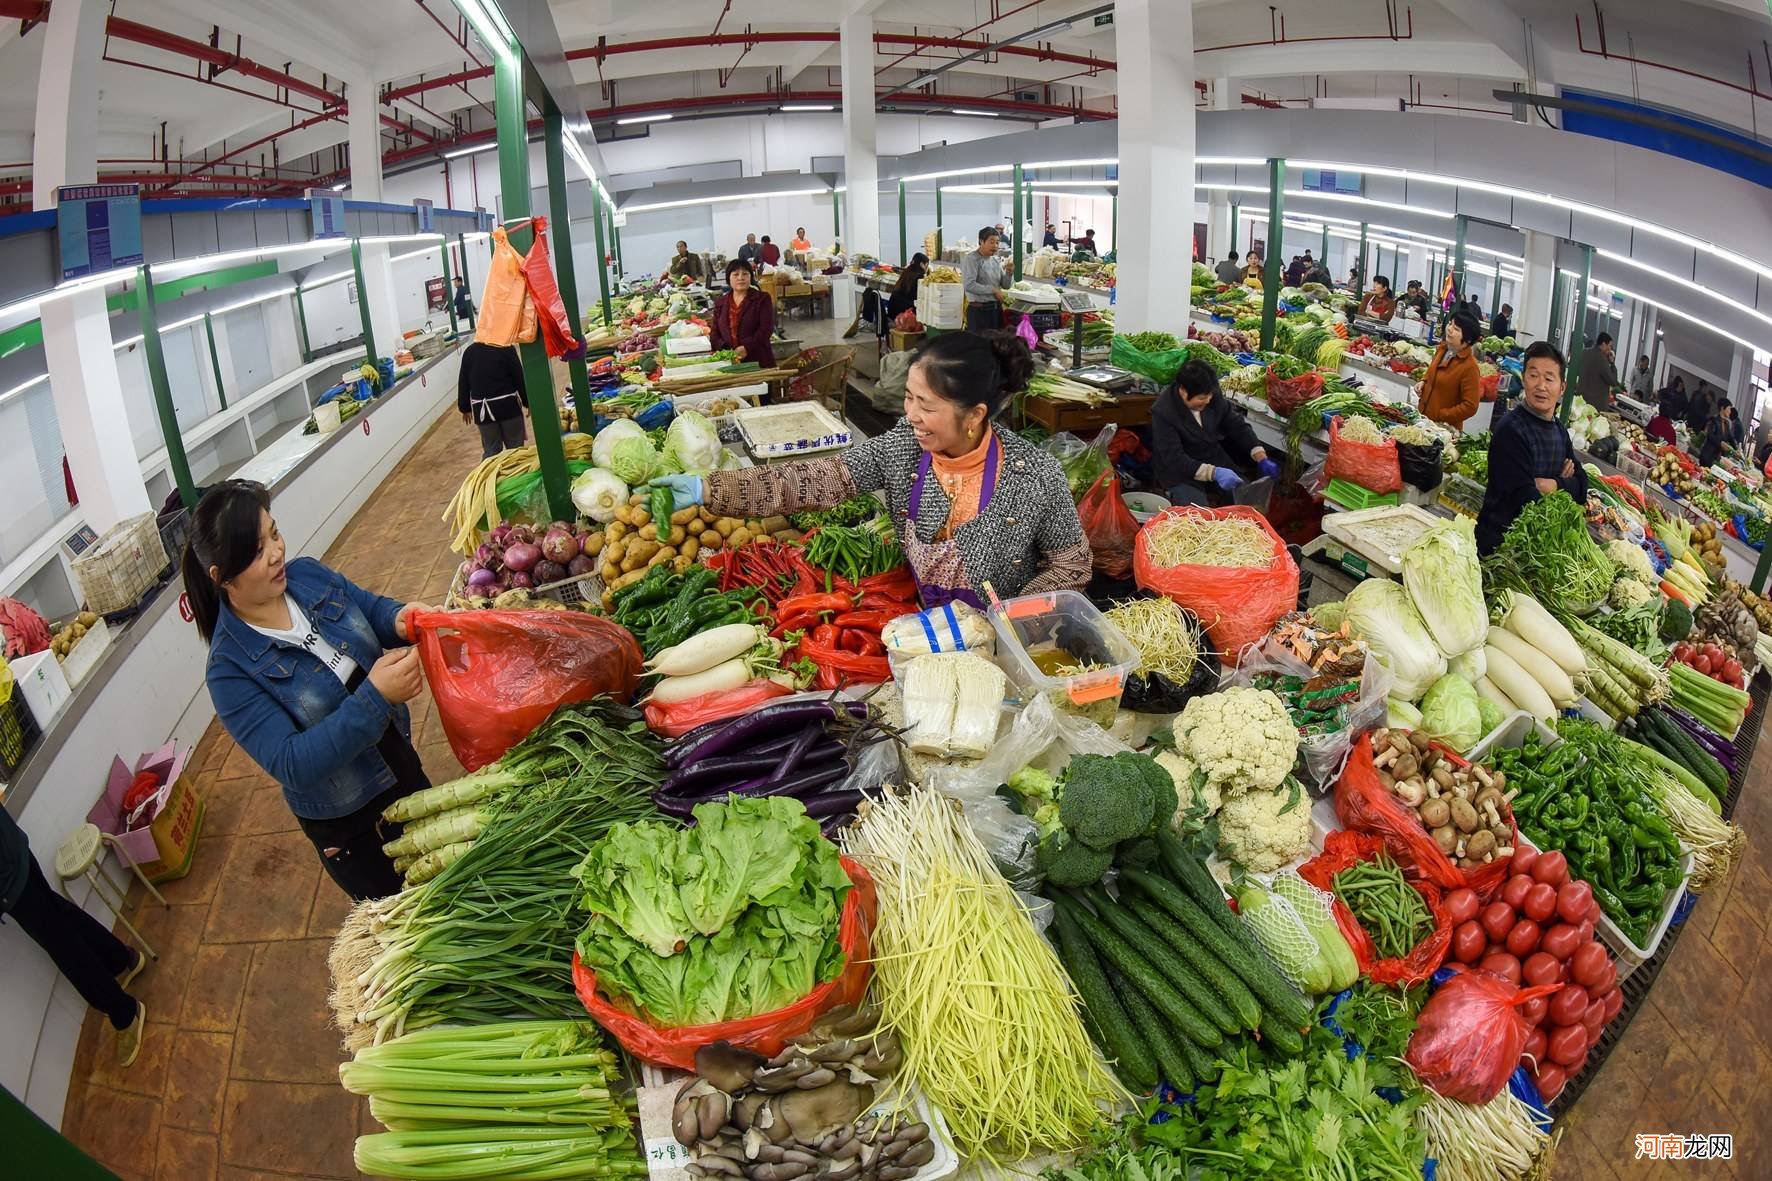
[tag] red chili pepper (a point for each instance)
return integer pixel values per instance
(824, 635)
(876, 601)
(871, 646)
(816, 603)
(852, 641)
(871, 621)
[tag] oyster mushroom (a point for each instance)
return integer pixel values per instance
(727, 1066)
(815, 1114)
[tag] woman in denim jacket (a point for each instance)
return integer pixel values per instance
(310, 674)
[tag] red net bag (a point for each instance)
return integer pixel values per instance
(1363, 803)
(1237, 604)
(1287, 394)
(677, 718)
(1372, 466)
(1469, 1036)
(1109, 525)
(1342, 849)
(766, 1033)
(497, 675)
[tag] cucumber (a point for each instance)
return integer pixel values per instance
(1193, 876)
(1282, 1038)
(1695, 758)
(1239, 954)
(1175, 970)
(1129, 1047)
(1223, 981)
(1172, 1062)
(1199, 1059)
(1125, 958)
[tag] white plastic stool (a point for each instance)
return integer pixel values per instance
(79, 856)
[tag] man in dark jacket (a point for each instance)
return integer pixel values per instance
(1203, 446)
(464, 303)
(1599, 374)
(1530, 452)
(489, 393)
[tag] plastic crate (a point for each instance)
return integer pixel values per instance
(175, 528)
(123, 566)
(1630, 957)
(18, 734)
(1072, 623)
(1352, 496)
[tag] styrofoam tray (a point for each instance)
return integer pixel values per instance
(1355, 530)
(682, 346)
(810, 425)
(747, 394)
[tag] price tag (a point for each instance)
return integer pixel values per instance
(665, 1155)
(184, 608)
(366, 426)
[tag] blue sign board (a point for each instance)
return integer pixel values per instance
(427, 215)
(98, 228)
(1325, 180)
(328, 210)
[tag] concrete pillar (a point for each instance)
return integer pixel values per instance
(1533, 321)
(1741, 367)
(89, 407)
(861, 164)
(1218, 203)
(65, 150)
(1154, 43)
(378, 272)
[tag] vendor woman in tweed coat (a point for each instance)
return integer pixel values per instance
(973, 502)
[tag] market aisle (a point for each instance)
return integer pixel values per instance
(237, 1077)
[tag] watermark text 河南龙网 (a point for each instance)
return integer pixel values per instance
(1674, 1146)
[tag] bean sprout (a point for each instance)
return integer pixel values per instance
(1193, 540)
(1168, 644)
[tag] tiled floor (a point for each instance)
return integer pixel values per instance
(237, 1079)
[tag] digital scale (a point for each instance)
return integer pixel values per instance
(1077, 304)
(1111, 378)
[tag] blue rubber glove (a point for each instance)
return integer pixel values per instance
(1269, 468)
(1226, 479)
(686, 491)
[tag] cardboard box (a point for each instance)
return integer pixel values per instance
(39, 677)
(903, 341)
(164, 846)
(799, 289)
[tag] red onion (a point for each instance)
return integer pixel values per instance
(481, 577)
(521, 580)
(547, 572)
(580, 566)
(486, 555)
(559, 545)
(521, 556)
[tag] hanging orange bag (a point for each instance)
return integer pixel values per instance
(504, 304)
(766, 1033)
(1342, 849)
(1372, 466)
(497, 675)
(1238, 604)
(544, 292)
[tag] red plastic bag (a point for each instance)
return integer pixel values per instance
(677, 718)
(765, 1033)
(1109, 525)
(1238, 604)
(538, 273)
(1490, 387)
(1287, 394)
(1365, 805)
(838, 668)
(497, 675)
(1372, 466)
(1469, 1036)
(1342, 849)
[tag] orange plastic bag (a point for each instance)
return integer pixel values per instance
(1342, 849)
(1365, 805)
(1469, 1036)
(504, 304)
(766, 1033)
(1372, 466)
(544, 294)
(1238, 604)
(1490, 387)
(1109, 525)
(677, 718)
(497, 675)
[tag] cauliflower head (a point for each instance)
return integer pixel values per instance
(1264, 830)
(1242, 738)
(1632, 560)
(1628, 592)
(1197, 797)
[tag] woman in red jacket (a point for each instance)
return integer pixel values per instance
(743, 318)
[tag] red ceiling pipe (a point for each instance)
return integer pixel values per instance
(1611, 55)
(128, 30)
(1047, 110)
(963, 32)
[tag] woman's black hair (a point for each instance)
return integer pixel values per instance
(739, 264)
(224, 534)
(1195, 378)
(1384, 279)
(976, 369)
(986, 232)
(1468, 327)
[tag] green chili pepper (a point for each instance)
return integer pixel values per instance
(661, 507)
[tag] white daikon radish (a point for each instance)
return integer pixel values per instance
(1527, 618)
(1488, 692)
(1519, 685)
(1541, 668)
(721, 677)
(702, 652)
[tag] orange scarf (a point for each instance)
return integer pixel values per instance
(963, 481)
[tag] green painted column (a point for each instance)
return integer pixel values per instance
(461, 243)
(1458, 271)
(1325, 255)
(1276, 221)
(301, 324)
(1577, 333)
(449, 290)
(937, 257)
(1114, 216)
(1015, 212)
(363, 302)
(1495, 293)
(1554, 333)
(613, 258)
(837, 215)
(221, 390)
(603, 270)
(565, 270)
(155, 358)
(1360, 271)
(1761, 569)
(903, 254)
(513, 172)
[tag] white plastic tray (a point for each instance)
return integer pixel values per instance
(1354, 530)
(747, 394)
(682, 346)
(812, 426)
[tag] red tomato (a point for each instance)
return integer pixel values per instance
(1573, 900)
(1535, 1011)
(1586, 927)
(1469, 942)
(1715, 652)
(1703, 663)
(1498, 920)
(1574, 1068)
(1568, 1004)
(1560, 941)
(1524, 856)
(1535, 1044)
(1462, 905)
(1503, 965)
(1608, 980)
(1614, 1001)
(1593, 914)
(1594, 1020)
(1515, 891)
(1589, 965)
(1551, 868)
(1541, 902)
(1568, 1045)
(1522, 941)
(1732, 670)
(1540, 968)
(1549, 1078)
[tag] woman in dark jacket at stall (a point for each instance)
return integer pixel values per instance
(1203, 446)
(904, 292)
(743, 318)
(310, 674)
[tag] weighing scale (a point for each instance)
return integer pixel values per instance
(1111, 378)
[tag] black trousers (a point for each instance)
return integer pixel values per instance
(83, 950)
(501, 434)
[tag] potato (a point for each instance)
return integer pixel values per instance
(685, 515)
(678, 533)
(86, 619)
(712, 538)
(637, 498)
(631, 577)
(593, 545)
(608, 601)
(691, 547)
(611, 572)
(725, 525)
(641, 518)
(618, 550)
(738, 537)
(703, 513)
(631, 563)
(681, 564)
(773, 524)
(661, 557)
(788, 535)
(617, 528)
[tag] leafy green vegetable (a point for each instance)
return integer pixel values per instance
(1548, 553)
(1452, 713)
(1445, 582)
(1152, 342)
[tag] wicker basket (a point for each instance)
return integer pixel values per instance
(582, 593)
(122, 566)
(824, 378)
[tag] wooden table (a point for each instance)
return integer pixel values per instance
(1129, 410)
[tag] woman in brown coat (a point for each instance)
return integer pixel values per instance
(1452, 389)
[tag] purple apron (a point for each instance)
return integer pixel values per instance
(938, 567)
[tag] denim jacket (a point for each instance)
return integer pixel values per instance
(292, 714)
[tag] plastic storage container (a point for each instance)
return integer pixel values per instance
(1066, 621)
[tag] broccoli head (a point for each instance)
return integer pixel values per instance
(1106, 799)
(1138, 854)
(1033, 783)
(1069, 862)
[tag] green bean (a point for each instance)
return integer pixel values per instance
(1389, 909)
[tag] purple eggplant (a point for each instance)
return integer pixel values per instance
(835, 803)
(767, 723)
(809, 781)
(796, 752)
(763, 766)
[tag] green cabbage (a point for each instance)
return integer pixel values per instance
(599, 495)
(633, 459)
(1379, 612)
(1445, 583)
(691, 445)
(603, 446)
(1491, 713)
(1452, 713)
(1400, 714)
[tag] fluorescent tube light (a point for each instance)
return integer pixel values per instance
(21, 387)
(460, 152)
(340, 187)
(956, 172)
(712, 200)
(983, 114)
(489, 21)
(808, 107)
(645, 118)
